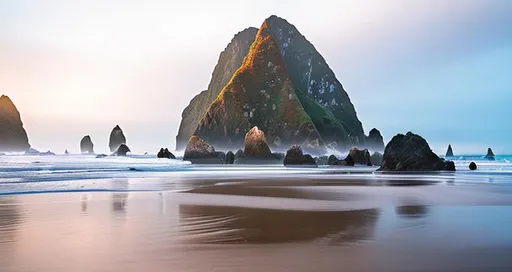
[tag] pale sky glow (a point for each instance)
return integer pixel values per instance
(439, 68)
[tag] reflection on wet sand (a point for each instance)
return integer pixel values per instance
(225, 225)
(119, 201)
(10, 219)
(412, 211)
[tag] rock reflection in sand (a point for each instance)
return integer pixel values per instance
(225, 225)
(412, 211)
(10, 219)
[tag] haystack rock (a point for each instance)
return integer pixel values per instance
(490, 155)
(116, 139)
(410, 152)
(256, 144)
(229, 61)
(374, 141)
(285, 88)
(199, 151)
(449, 151)
(13, 137)
(86, 145)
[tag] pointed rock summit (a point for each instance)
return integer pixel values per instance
(117, 138)
(256, 144)
(285, 87)
(13, 137)
(490, 155)
(229, 61)
(449, 151)
(86, 145)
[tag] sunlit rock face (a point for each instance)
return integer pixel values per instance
(229, 61)
(270, 91)
(13, 137)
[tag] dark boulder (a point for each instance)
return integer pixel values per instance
(374, 140)
(490, 155)
(410, 152)
(200, 152)
(256, 144)
(122, 150)
(472, 166)
(348, 161)
(116, 139)
(294, 156)
(449, 151)
(165, 153)
(376, 158)
(86, 145)
(360, 156)
(230, 157)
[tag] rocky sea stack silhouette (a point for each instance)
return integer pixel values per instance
(86, 145)
(13, 137)
(116, 139)
(283, 86)
(449, 151)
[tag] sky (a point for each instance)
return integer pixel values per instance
(442, 69)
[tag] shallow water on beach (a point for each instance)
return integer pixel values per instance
(133, 214)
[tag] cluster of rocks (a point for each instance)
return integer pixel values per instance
(165, 153)
(117, 144)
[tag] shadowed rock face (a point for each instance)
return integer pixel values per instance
(295, 156)
(411, 152)
(360, 156)
(86, 145)
(229, 61)
(117, 138)
(449, 151)
(286, 89)
(122, 150)
(374, 141)
(13, 137)
(490, 155)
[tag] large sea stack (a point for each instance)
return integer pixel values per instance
(200, 152)
(13, 137)
(410, 152)
(229, 61)
(116, 139)
(285, 87)
(86, 145)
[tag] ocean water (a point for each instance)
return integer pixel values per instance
(80, 213)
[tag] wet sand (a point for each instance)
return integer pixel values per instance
(296, 223)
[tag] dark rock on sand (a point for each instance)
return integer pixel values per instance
(86, 145)
(122, 150)
(200, 152)
(360, 156)
(472, 166)
(165, 153)
(348, 161)
(449, 151)
(116, 139)
(13, 137)
(490, 155)
(376, 158)
(410, 152)
(230, 157)
(295, 156)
